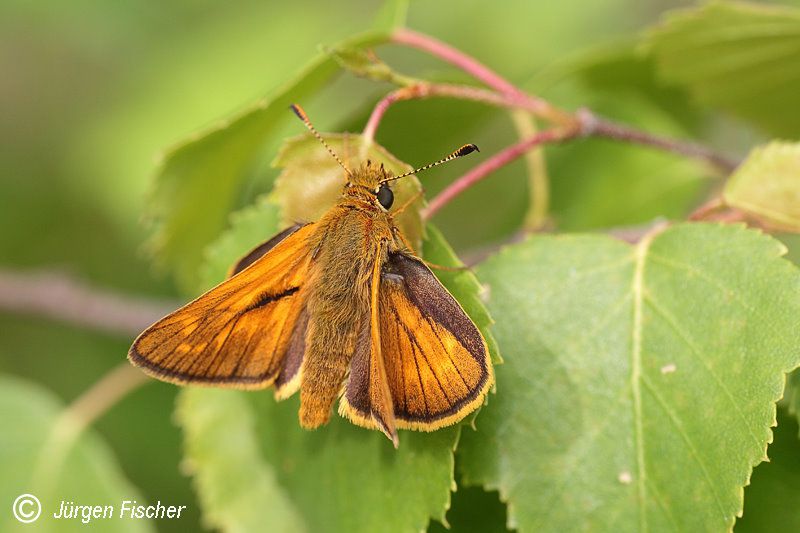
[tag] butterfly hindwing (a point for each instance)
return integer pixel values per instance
(437, 363)
(238, 333)
(367, 400)
(429, 353)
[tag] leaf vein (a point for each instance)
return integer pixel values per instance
(702, 275)
(637, 289)
(689, 342)
(685, 436)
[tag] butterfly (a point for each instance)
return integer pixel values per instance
(340, 308)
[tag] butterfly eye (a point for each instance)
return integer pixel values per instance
(385, 196)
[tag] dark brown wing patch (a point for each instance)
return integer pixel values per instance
(288, 380)
(357, 390)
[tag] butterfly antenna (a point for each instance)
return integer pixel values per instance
(302, 116)
(464, 150)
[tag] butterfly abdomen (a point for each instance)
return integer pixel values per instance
(338, 305)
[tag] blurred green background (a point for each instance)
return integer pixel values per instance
(91, 92)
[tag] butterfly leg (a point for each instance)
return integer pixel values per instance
(408, 202)
(405, 244)
(434, 266)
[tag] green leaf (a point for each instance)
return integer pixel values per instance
(393, 15)
(767, 185)
(198, 181)
(639, 382)
(735, 56)
(793, 393)
(250, 227)
(623, 71)
(312, 180)
(237, 489)
(366, 64)
(474, 509)
(770, 502)
(30, 448)
(338, 478)
(345, 478)
(464, 285)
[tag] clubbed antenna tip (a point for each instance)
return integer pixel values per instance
(467, 149)
(302, 116)
(299, 112)
(464, 150)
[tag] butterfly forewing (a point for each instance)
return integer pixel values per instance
(238, 333)
(256, 253)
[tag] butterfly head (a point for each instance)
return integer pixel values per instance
(369, 182)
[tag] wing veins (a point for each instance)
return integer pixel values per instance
(396, 332)
(244, 353)
(269, 300)
(263, 301)
(449, 356)
(197, 360)
(221, 348)
(206, 320)
(403, 377)
(160, 326)
(166, 323)
(427, 362)
(419, 375)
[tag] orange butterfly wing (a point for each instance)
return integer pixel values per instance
(246, 332)
(429, 357)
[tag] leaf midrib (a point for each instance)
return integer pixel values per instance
(637, 378)
(637, 289)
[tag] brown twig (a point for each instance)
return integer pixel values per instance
(708, 209)
(594, 126)
(62, 298)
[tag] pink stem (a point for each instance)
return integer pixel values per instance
(569, 125)
(480, 72)
(589, 124)
(457, 58)
(445, 90)
(376, 116)
(493, 163)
